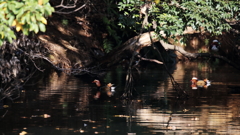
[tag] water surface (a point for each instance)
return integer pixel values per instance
(61, 104)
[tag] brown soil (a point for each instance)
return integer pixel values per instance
(72, 44)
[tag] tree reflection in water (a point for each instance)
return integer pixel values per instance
(61, 104)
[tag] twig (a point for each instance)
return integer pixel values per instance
(29, 56)
(71, 11)
(151, 60)
(4, 114)
(61, 5)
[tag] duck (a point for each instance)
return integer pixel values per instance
(109, 89)
(200, 83)
(112, 88)
(215, 46)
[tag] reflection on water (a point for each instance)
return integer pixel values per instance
(61, 104)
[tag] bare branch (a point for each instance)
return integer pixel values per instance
(150, 60)
(58, 12)
(67, 6)
(31, 58)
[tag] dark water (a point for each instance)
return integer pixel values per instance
(58, 104)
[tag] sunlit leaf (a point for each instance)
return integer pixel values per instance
(42, 27)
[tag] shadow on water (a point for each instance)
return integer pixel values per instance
(61, 104)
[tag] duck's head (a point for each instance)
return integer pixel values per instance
(194, 80)
(97, 82)
(109, 85)
(112, 88)
(215, 41)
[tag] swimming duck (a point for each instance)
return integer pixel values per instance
(215, 46)
(109, 89)
(200, 83)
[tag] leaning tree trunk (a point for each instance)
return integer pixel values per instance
(133, 46)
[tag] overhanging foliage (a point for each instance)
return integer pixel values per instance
(25, 16)
(174, 16)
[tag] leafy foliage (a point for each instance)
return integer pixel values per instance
(111, 29)
(24, 15)
(110, 22)
(130, 18)
(107, 45)
(172, 17)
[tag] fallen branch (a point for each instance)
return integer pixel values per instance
(59, 12)
(150, 60)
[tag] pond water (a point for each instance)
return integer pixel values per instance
(58, 104)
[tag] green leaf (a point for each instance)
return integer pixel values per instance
(32, 26)
(20, 13)
(9, 39)
(33, 19)
(36, 29)
(38, 16)
(18, 5)
(27, 18)
(10, 20)
(42, 27)
(25, 30)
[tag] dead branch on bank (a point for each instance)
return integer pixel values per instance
(150, 60)
(74, 5)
